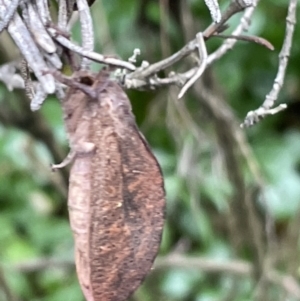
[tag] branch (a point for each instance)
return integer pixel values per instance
(202, 65)
(41, 53)
(214, 10)
(40, 60)
(187, 49)
(209, 265)
(87, 32)
(28, 48)
(228, 44)
(89, 54)
(266, 108)
(235, 267)
(9, 14)
(145, 77)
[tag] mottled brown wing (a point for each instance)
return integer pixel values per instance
(128, 201)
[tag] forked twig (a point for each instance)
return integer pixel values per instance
(202, 64)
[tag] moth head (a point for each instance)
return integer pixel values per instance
(86, 80)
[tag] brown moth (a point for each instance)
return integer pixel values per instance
(116, 194)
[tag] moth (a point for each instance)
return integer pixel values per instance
(116, 195)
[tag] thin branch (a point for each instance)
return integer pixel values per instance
(62, 14)
(37, 29)
(228, 44)
(214, 9)
(39, 264)
(236, 267)
(202, 64)
(9, 14)
(234, 7)
(208, 265)
(140, 77)
(28, 48)
(38, 98)
(43, 11)
(87, 32)
(29, 91)
(154, 82)
(187, 49)
(254, 39)
(34, 24)
(254, 117)
(89, 54)
(265, 109)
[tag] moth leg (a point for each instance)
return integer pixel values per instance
(73, 82)
(80, 150)
(70, 157)
(85, 89)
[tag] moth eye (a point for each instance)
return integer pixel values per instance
(86, 80)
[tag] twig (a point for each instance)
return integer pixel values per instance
(87, 32)
(37, 28)
(214, 10)
(38, 98)
(40, 264)
(155, 82)
(254, 117)
(138, 78)
(228, 44)
(9, 14)
(62, 14)
(265, 109)
(29, 91)
(202, 64)
(42, 7)
(209, 265)
(152, 69)
(89, 54)
(34, 24)
(187, 49)
(30, 51)
(234, 7)
(236, 267)
(254, 39)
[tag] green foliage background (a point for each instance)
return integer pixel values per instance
(182, 133)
